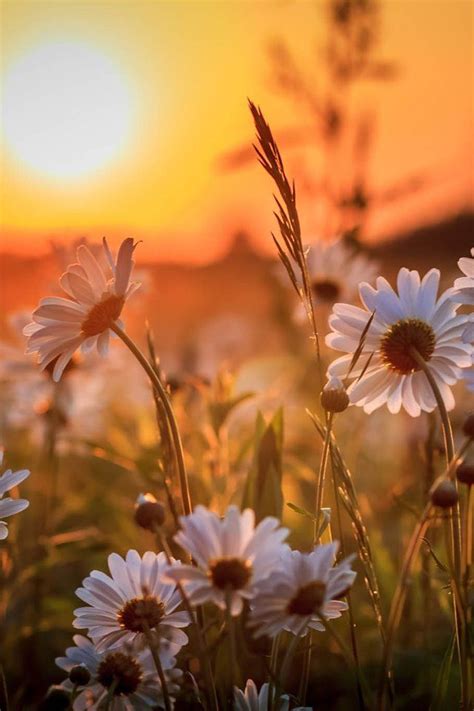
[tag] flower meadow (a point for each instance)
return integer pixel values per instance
(212, 547)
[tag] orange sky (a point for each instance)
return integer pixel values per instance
(188, 67)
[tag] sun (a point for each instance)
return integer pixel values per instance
(67, 109)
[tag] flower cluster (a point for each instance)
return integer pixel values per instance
(134, 611)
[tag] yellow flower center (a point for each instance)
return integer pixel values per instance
(102, 315)
(404, 335)
(141, 613)
(308, 600)
(122, 669)
(230, 573)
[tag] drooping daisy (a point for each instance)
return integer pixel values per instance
(252, 700)
(303, 588)
(60, 326)
(464, 286)
(414, 319)
(122, 608)
(232, 555)
(137, 685)
(9, 506)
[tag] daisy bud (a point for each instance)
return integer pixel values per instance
(57, 699)
(465, 473)
(334, 397)
(80, 675)
(444, 494)
(149, 513)
(468, 427)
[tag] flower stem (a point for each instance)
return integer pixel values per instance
(162, 394)
(454, 550)
(203, 651)
(321, 477)
(398, 601)
(110, 695)
(159, 668)
(229, 622)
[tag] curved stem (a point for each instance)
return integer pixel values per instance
(162, 394)
(230, 626)
(156, 658)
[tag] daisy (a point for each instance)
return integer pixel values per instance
(124, 608)
(9, 506)
(335, 270)
(464, 286)
(304, 588)
(137, 683)
(252, 700)
(412, 319)
(61, 325)
(468, 337)
(232, 555)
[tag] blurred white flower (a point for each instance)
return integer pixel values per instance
(468, 337)
(231, 553)
(9, 506)
(134, 673)
(464, 286)
(335, 270)
(122, 608)
(252, 700)
(60, 326)
(302, 589)
(413, 319)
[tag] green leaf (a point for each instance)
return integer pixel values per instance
(263, 488)
(442, 681)
(300, 510)
(220, 411)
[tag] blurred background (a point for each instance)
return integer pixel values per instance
(131, 119)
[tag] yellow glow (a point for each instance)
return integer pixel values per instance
(66, 109)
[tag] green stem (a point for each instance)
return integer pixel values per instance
(455, 553)
(398, 600)
(162, 394)
(3, 690)
(273, 667)
(321, 477)
(203, 651)
(159, 668)
(288, 656)
(229, 623)
(110, 695)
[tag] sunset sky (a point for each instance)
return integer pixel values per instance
(177, 76)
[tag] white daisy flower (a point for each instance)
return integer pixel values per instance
(464, 286)
(60, 326)
(9, 506)
(415, 318)
(468, 337)
(303, 588)
(335, 270)
(121, 608)
(137, 682)
(252, 700)
(232, 555)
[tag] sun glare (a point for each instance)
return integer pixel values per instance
(67, 109)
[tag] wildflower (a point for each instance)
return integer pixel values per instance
(252, 700)
(334, 397)
(444, 494)
(136, 682)
(9, 506)
(412, 320)
(465, 473)
(302, 589)
(149, 512)
(61, 325)
(232, 555)
(335, 270)
(468, 337)
(124, 608)
(464, 286)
